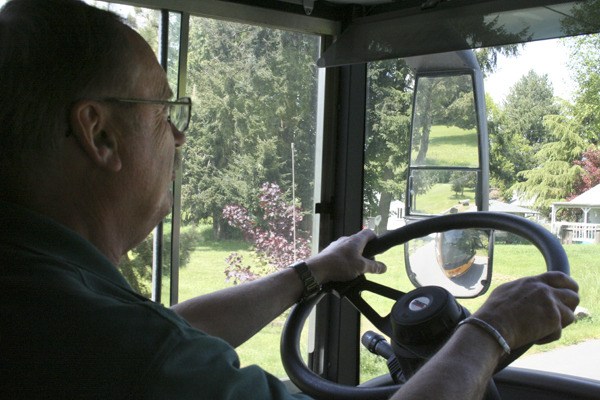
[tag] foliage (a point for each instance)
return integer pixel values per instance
(528, 101)
(389, 101)
(518, 130)
(276, 241)
(584, 62)
(136, 265)
(560, 168)
(459, 181)
(257, 91)
(506, 152)
(590, 176)
(555, 175)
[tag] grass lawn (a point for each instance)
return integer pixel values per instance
(440, 197)
(446, 142)
(204, 274)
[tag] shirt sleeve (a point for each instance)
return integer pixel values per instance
(205, 367)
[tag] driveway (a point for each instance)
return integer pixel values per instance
(581, 360)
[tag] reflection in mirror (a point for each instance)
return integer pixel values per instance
(439, 191)
(445, 122)
(458, 260)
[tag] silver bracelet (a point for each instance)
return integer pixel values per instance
(489, 329)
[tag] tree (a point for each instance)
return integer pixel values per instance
(527, 103)
(555, 173)
(590, 175)
(584, 62)
(253, 105)
(386, 143)
(518, 130)
(273, 233)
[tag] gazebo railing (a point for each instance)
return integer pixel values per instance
(579, 232)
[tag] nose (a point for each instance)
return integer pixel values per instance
(178, 136)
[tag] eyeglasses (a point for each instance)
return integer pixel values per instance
(180, 110)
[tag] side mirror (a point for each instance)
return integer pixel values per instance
(458, 260)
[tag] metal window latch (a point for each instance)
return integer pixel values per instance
(324, 208)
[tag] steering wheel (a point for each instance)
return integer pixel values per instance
(313, 384)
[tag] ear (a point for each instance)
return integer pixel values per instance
(89, 125)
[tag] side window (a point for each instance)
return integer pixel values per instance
(249, 162)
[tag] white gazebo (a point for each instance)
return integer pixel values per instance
(585, 231)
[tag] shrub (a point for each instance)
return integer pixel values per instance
(271, 234)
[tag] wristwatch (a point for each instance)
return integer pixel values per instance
(311, 287)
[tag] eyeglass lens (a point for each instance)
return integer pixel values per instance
(179, 114)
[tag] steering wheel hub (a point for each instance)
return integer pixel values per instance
(427, 315)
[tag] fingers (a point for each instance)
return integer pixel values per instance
(550, 338)
(567, 301)
(568, 297)
(533, 309)
(371, 266)
(559, 280)
(342, 260)
(564, 289)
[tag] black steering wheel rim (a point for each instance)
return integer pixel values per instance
(314, 385)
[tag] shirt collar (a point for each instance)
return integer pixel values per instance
(29, 230)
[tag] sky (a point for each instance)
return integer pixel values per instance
(544, 57)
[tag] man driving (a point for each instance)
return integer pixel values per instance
(88, 151)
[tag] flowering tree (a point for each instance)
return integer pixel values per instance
(271, 234)
(590, 177)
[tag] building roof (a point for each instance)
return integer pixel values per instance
(589, 198)
(499, 206)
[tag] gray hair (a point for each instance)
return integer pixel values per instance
(53, 53)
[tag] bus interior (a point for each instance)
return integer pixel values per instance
(355, 112)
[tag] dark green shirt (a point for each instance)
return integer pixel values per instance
(71, 327)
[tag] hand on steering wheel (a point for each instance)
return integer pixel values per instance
(312, 384)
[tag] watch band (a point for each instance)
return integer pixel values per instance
(311, 287)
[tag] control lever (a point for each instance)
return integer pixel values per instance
(377, 345)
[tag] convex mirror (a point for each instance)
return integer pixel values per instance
(458, 260)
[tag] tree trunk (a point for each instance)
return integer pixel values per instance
(384, 210)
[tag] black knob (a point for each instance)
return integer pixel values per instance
(426, 315)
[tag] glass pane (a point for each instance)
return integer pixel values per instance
(249, 162)
(445, 122)
(434, 191)
(389, 106)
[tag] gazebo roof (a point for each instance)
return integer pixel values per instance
(591, 198)
(499, 206)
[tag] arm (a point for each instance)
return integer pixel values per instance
(238, 312)
(529, 310)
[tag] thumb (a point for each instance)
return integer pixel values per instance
(375, 267)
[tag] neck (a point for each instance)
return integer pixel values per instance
(83, 211)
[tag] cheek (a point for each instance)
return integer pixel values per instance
(164, 156)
